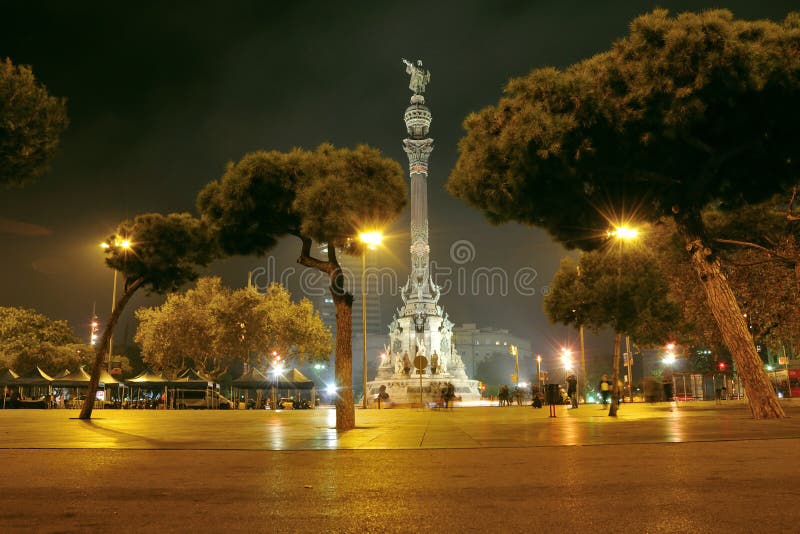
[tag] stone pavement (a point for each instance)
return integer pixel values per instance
(691, 467)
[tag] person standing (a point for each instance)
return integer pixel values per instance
(605, 389)
(572, 390)
(504, 395)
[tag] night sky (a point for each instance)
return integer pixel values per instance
(162, 95)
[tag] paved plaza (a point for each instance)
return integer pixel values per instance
(688, 467)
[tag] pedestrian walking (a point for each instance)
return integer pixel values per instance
(572, 390)
(605, 389)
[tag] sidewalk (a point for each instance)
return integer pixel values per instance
(697, 467)
(406, 428)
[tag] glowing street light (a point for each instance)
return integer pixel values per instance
(275, 371)
(668, 360)
(566, 361)
(566, 358)
(371, 240)
(623, 232)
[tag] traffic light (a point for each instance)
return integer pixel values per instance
(721, 366)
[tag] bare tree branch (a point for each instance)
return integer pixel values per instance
(771, 254)
(309, 261)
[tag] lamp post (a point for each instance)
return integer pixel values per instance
(669, 360)
(629, 363)
(620, 233)
(277, 370)
(566, 361)
(369, 240)
(539, 371)
(125, 245)
(514, 350)
(583, 349)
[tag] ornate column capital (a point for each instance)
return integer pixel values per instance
(418, 152)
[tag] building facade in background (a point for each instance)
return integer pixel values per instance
(476, 344)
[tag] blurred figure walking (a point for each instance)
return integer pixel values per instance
(572, 390)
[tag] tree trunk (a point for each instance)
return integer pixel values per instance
(612, 411)
(730, 320)
(102, 349)
(343, 365)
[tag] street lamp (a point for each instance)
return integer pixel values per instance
(514, 350)
(669, 360)
(539, 370)
(125, 245)
(622, 233)
(277, 370)
(369, 240)
(566, 361)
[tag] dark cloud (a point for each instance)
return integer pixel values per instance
(21, 228)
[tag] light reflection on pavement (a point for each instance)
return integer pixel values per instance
(473, 427)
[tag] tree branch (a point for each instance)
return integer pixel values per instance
(746, 244)
(771, 254)
(309, 261)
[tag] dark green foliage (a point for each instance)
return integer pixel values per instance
(238, 202)
(326, 195)
(624, 290)
(31, 123)
(684, 111)
(165, 250)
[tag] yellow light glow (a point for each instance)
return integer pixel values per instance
(625, 232)
(125, 243)
(566, 357)
(371, 238)
(104, 245)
